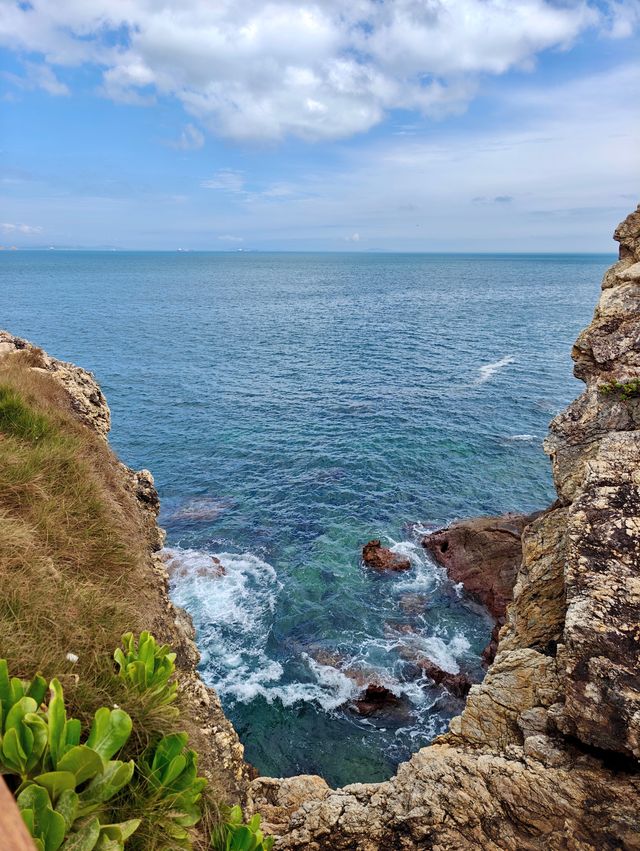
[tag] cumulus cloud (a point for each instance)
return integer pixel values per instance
(252, 69)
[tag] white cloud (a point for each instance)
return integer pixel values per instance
(191, 139)
(227, 180)
(354, 237)
(266, 69)
(11, 228)
(227, 237)
(38, 77)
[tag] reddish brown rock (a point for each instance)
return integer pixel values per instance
(381, 558)
(484, 554)
(374, 699)
(456, 684)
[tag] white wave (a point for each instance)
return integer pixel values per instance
(233, 616)
(522, 438)
(490, 369)
(444, 653)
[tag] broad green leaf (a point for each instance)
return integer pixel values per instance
(48, 825)
(57, 717)
(37, 689)
(13, 755)
(56, 782)
(116, 775)
(84, 839)
(110, 730)
(40, 733)
(83, 762)
(122, 831)
(243, 839)
(235, 815)
(72, 731)
(67, 806)
(5, 687)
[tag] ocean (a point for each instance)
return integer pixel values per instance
(292, 407)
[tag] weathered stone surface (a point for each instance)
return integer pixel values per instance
(381, 558)
(484, 554)
(457, 684)
(85, 396)
(527, 765)
(375, 698)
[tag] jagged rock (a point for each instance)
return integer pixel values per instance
(84, 394)
(381, 558)
(484, 554)
(456, 684)
(375, 698)
(527, 766)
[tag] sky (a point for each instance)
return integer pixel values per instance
(342, 125)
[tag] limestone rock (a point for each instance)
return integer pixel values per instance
(84, 394)
(529, 764)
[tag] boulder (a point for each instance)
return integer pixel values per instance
(382, 559)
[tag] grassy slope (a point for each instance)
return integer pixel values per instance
(74, 571)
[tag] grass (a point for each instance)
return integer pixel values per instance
(73, 557)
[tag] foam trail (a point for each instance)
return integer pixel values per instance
(490, 369)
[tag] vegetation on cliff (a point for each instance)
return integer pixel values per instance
(75, 567)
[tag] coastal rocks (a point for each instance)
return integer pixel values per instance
(484, 554)
(84, 395)
(134, 495)
(382, 559)
(456, 684)
(544, 756)
(375, 698)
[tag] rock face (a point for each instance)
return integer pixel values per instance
(381, 558)
(484, 554)
(545, 753)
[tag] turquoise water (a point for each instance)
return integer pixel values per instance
(293, 406)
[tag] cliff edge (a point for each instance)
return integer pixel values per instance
(545, 753)
(80, 561)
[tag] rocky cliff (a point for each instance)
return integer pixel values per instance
(72, 390)
(545, 753)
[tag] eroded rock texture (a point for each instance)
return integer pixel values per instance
(545, 754)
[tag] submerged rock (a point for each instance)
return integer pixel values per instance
(375, 698)
(381, 558)
(545, 755)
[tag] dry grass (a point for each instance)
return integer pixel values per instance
(72, 548)
(74, 572)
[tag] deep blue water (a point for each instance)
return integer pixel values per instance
(293, 406)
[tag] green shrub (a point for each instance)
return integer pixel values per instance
(235, 835)
(169, 787)
(62, 785)
(623, 389)
(147, 667)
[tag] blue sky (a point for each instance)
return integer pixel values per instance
(440, 125)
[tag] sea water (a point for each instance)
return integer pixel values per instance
(294, 406)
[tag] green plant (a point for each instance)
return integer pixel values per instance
(170, 787)
(62, 785)
(623, 389)
(234, 835)
(147, 667)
